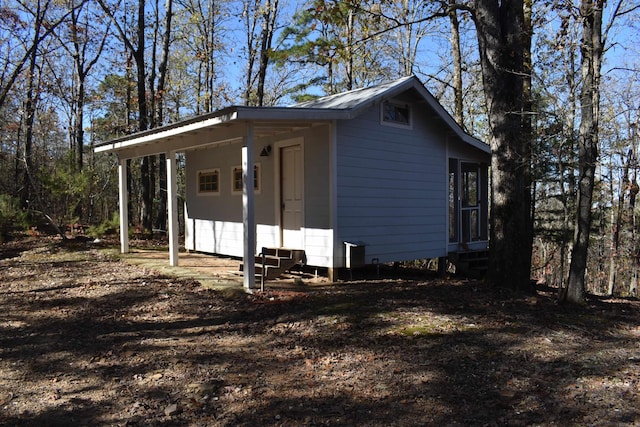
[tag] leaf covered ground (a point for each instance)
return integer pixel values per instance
(89, 340)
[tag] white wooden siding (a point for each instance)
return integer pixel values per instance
(318, 246)
(214, 224)
(392, 187)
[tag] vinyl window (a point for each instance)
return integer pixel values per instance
(209, 182)
(396, 114)
(236, 179)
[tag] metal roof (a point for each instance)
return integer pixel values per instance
(356, 98)
(268, 121)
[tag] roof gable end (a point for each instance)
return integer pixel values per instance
(354, 101)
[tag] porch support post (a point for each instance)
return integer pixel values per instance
(124, 202)
(337, 253)
(248, 216)
(172, 207)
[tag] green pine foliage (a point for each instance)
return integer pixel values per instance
(12, 218)
(66, 189)
(106, 228)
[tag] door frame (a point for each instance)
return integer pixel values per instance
(481, 208)
(278, 146)
(467, 211)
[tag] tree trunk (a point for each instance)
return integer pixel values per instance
(349, 50)
(635, 252)
(143, 122)
(161, 220)
(591, 13)
(27, 152)
(616, 224)
(263, 60)
(501, 30)
(30, 112)
(250, 23)
(567, 174)
(269, 16)
(129, 96)
(138, 54)
(407, 59)
(79, 127)
(457, 64)
(527, 117)
(78, 102)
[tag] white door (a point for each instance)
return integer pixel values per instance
(292, 195)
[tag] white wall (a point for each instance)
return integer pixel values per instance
(214, 222)
(392, 187)
(391, 184)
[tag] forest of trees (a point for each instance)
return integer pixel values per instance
(551, 85)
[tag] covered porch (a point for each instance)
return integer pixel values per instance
(214, 272)
(244, 127)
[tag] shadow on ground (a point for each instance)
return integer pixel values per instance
(93, 341)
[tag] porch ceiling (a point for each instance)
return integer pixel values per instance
(200, 134)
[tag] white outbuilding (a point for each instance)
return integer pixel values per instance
(385, 169)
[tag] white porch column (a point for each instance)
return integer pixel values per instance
(248, 215)
(124, 202)
(172, 207)
(338, 246)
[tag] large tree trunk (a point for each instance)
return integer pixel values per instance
(591, 12)
(138, 54)
(501, 30)
(566, 171)
(527, 117)
(27, 153)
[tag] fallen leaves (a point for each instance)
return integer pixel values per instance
(89, 340)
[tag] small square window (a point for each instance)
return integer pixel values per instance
(209, 182)
(236, 179)
(396, 114)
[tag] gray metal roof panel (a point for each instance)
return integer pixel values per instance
(354, 98)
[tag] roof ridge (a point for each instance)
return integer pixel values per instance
(325, 98)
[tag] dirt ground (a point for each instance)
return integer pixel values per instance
(87, 339)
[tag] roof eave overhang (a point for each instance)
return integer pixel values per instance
(450, 121)
(170, 131)
(225, 117)
(279, 116)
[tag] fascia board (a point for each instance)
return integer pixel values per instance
(450, 122)
(163, 133)
(226, 116)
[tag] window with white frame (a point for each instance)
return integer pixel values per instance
(209, 182)
(236, 179)
(396, 114)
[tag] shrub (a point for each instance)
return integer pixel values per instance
(105, 228)
(12, 218)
